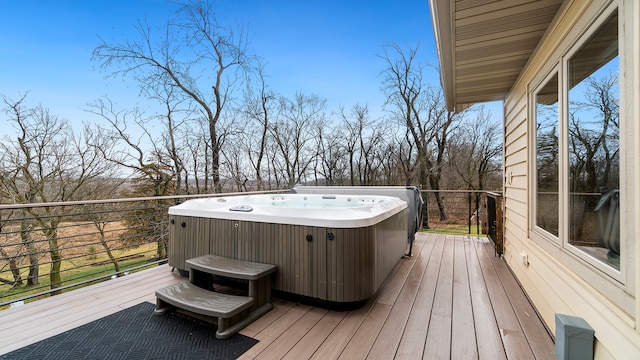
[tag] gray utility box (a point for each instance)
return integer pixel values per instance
(574, 338)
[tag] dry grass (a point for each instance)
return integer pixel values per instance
(81, 247)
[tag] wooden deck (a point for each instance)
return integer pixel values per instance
(452, 299)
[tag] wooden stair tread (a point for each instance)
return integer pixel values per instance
(187, 296)
(233, 268)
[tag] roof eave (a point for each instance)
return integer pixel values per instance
(441, 12)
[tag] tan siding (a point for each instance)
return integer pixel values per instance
(519, 169)
(515, 161)
(557, 281)
(516, 149)
(515, 116)
(517, 208)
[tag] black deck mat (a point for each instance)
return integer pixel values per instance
(135, 333)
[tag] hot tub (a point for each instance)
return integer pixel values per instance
(335, 248)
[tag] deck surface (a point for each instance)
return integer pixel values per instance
(452, 299)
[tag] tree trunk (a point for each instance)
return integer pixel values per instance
(50, 231)
(435, 185)
(15, 270)
(56, 262)
(34, 266)
(424, 179)
(104, 244)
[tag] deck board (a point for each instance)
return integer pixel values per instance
(515, 343)
(365, 337)
(290, 337)
(462, 319)
(269, 335)
(438, 345)
(487, 333)
(311, 342)
(452, 299)
(415, 332)
(524, 311)
(343, 333)
(389, 338)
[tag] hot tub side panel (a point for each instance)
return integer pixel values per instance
(341, 265)
(188, 238)
(391, 243)
(327, 264)
(351, 264)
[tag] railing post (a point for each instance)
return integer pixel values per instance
(477, 212)
(495, 219)
(499, 225)
(425, 212)
(469, 207)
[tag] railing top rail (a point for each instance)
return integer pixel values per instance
(459, 191)
(188, 196)
(136, 199)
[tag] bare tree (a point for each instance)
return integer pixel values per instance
(406, 153)
(475, 151)
(594, 135)
(196, 56)
(332, 162)
(13, 257)
(421, 108)
(234, 157)
(350, 141)
(48, 162)
(196, 158)
(260, 107)
(594, 149)
(130, 153)
(293, 135)
(364, 138)
(173, 136)
(101, 215)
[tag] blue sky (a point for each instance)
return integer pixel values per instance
(325, 47)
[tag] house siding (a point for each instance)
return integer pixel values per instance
(556, 280)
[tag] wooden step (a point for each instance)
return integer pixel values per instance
(232, 268)
(187, 296)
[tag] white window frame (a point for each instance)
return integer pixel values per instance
(564, 153)
(566, 252)
(533, 198)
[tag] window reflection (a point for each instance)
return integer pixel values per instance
(547, 156)
(593, 145)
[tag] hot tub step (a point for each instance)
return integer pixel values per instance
(232, 268)
(187, 296)
(195, 296)
(257, 274)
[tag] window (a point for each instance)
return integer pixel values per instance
(546, 108)
(593, 145)
(577, 151)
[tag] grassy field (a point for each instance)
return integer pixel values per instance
(84, 257)
(81, 269)
(452, 229)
